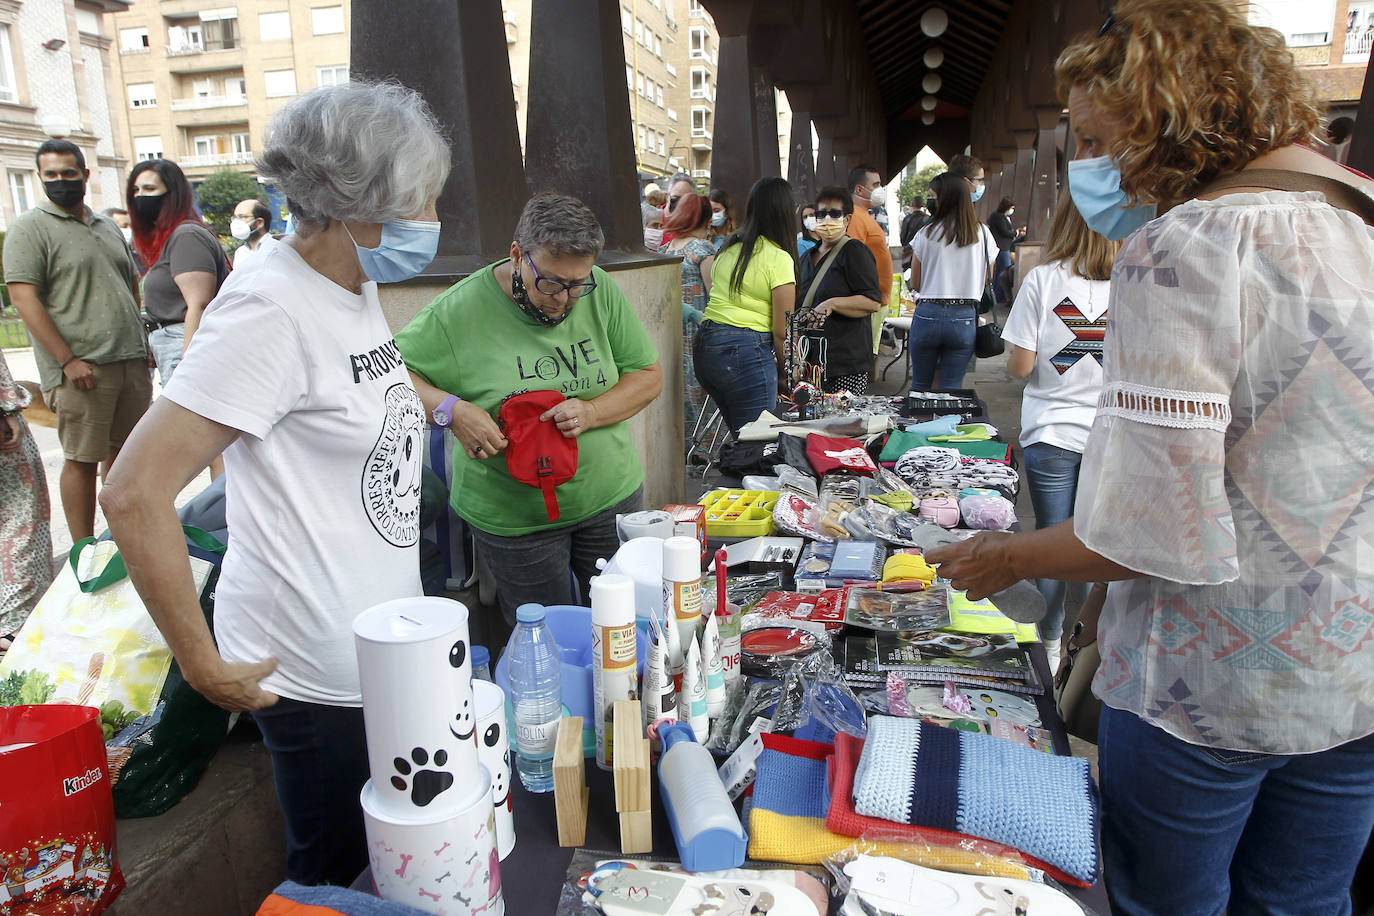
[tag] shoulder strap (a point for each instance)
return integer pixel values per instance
(1338, 193)
(821, 271)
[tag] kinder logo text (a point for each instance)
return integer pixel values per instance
(74, 784)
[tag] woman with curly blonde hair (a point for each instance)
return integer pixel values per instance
(1227, 486)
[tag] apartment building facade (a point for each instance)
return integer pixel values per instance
(201, 78)
(57, 79)
(694, 94)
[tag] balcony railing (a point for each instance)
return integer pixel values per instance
(208, 101)
(1357, 46)
(193, 162)
(701, 173)
(701, 132)
(143, 50)
(188, 50)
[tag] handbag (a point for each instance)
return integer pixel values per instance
(988, 301)
(1078, 706)
(987, 340)
(537, 453)
(91, 642)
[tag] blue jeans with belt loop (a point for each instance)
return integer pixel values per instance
(736, 367)
(942, 333)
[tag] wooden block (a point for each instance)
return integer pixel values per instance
(636, 831)
(570, 783)
(630, 762)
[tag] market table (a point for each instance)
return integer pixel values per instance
(901, 332)
(532, 875)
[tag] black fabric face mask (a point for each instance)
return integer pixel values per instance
(522, 299)
(65, 192)
(149, 207)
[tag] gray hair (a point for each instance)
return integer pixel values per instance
(364, 151)
(681, 176)
(559, 225)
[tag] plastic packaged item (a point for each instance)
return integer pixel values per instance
(989, 513)
(707, 829)
(694, 691)
(658, 695)
(889, 885)
(759, 482)
(536, 690)
(672, 644)
(682, 586)
(789, 478)
(800, 516)
(481, 663)
(941, 510)
(613, 657)
(712, 668)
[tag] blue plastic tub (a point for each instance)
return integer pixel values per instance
(572, 631)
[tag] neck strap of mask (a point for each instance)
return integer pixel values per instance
(522, 299)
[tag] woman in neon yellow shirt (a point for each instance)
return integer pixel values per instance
(755, 287)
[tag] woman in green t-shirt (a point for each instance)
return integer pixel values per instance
(755, 287)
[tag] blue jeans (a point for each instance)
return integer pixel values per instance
(999, 268)
(737, 369)
(319, 765)
(942, 340)
(166, 344)
(1193, 831)
(1052, 475)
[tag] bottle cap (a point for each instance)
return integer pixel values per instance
(682, 559)
(480, 656)
(529, 613)
(613, 600)
(671, 734)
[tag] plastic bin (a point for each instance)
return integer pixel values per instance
(739, 513)
(572, 630)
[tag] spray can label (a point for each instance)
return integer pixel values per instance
(613, 649)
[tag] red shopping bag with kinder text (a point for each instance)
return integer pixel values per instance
(57, 823)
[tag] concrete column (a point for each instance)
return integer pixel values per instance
(735, 142)
(577, 132)
(801, 171)
(825, 160)
(1010, 168)
(766, 124)
(454, 61)
(1025, 167)
(1044, 191)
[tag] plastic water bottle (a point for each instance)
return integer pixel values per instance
(536, 689)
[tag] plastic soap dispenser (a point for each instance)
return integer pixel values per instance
(707, 829)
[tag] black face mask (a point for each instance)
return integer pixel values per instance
(65, 192)
(149, 207)
(522, 299)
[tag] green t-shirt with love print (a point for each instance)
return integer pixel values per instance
(473, 341)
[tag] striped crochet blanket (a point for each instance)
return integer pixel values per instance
(912, 772)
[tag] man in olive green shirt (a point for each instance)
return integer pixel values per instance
(71, 275)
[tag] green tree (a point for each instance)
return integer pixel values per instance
(915, 185)
(219, 194)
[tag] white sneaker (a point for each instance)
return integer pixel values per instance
(1053, 651)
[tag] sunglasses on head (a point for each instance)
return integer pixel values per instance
(829, 214)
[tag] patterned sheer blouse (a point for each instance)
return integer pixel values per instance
(1232, 462)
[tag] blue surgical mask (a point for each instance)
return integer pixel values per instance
(406, 248)
(977, 194)
(1095, 186)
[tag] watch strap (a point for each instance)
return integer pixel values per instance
(443, 414)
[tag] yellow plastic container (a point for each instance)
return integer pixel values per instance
(739, 513)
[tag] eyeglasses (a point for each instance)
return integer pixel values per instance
(551, 287)
(829, 214)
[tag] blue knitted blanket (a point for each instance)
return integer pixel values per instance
(913, 772)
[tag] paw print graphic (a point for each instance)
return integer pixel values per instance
(425, 785)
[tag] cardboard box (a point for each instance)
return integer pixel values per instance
(689, 521)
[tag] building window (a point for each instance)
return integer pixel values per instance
(327, 20)
(639, 31)
(639, 84)
(142, 95)
(219, 29)
(274, 26)
(8, 86)
(701, 83)
(279, 83)
(699, 120)
(240, 143)
(133, 41)
(234, 88)
(184, 39)
(626, 21)
(331, 76)
(661, 145)
(147, 148)
(205, 147)
(1305, 39)
(658, 96)
(658, 47)
(21, 191)
(694, 9)
(649, 89)
(629, 79)
(641, 136)
(698, 42)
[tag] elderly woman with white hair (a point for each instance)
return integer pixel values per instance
(293, 374)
